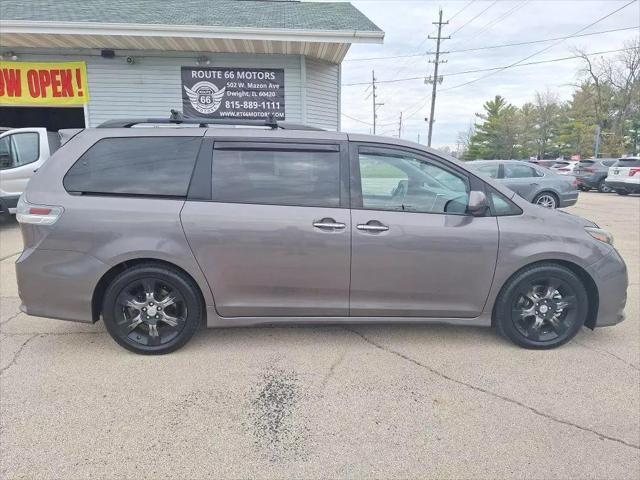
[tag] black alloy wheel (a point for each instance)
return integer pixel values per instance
(152, 309)
(541, 307)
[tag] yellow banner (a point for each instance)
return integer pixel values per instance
(43, 84)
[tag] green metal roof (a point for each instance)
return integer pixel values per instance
(268, 14)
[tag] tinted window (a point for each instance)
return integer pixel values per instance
(628, 162)
(19, 149)
(515, 170)
(406, 183)
(608, 163)
(140, 165)
(490, 170)
(277, 177)
(586, 163)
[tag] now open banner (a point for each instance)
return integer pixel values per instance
(57, 84)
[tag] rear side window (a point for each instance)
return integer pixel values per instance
(628, 162)
(158, 166)
(277, 177)
(54, 142)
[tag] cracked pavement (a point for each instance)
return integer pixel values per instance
(323, 402)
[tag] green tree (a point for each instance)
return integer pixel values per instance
(495, 135)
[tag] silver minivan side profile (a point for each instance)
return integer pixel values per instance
(157, 231)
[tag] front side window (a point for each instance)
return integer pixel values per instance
(406, 183)
(277, 177)
(156, 166)
(19, 149)
(516, 170)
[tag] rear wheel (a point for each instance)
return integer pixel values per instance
(584, 188)
(603, 187)
(622, 192)
(542, 306)
(546, 199)
(152, 309)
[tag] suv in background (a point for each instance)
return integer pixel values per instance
(624, 176)
(159, 230)
(22, 152)
(532, 182)
(591, 173)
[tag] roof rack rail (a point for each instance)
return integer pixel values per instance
(176, 118)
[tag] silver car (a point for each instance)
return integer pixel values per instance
(532, 182)
(157, 231)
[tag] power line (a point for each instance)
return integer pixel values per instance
(469, 21)
(542, 50)
(461, 10)
(500, 18)
(490, 47)
(426, 98)
(490, 69)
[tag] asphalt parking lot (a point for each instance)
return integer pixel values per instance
(322, 402)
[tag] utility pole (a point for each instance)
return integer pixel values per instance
(374, 97)
(400, 127)
(596, 148)
(436, 79)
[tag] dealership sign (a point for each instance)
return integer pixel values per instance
(234, 93)
(43, 84)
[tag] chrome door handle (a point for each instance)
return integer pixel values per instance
(372, 228)
(329, 223)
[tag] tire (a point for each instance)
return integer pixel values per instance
(521, 316)
(622, 192)
(603, 187)
(163, 320)
(583, 188)
(547, 200)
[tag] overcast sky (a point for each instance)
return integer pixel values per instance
(407, 24)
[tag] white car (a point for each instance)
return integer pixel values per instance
(564, 167)
(22, 152)
(624, 176)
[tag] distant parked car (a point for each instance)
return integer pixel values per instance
(564, 167)
(624, 176)
(544, 163)
(531, 181)
(22, 152)
(591, 173)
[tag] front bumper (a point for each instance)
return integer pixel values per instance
(58, 283)
(610, 276)
(8, 203)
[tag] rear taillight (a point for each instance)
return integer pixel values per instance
(633, 171)
(575, 182)
(37, 214)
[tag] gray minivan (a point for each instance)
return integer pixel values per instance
(160, 230)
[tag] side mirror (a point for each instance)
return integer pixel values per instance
(478, 204)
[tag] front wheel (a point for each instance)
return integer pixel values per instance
(547, 200)
(152, 309)
(622, 192)
(542, 306)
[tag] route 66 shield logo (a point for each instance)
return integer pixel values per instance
(205, 97)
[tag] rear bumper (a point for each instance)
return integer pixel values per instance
(610, 276)
(58, 283)
(625, 185)
(568, 199)
(591, 182)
